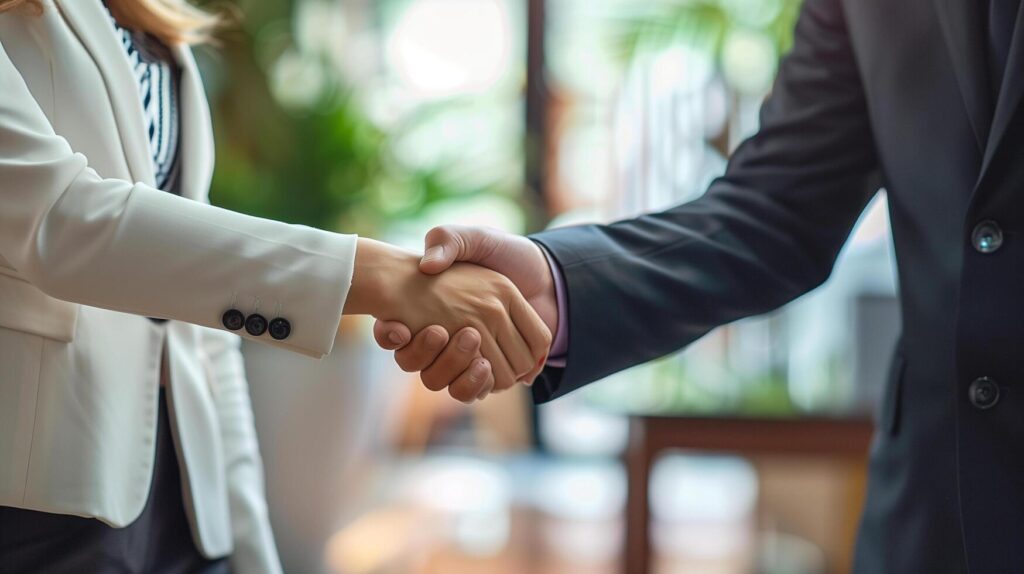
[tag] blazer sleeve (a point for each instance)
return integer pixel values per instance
(129, 247)
(766, 232)
(254, 547)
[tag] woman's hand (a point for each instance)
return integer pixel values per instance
(388, 285)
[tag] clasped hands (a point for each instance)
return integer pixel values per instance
(475, 314)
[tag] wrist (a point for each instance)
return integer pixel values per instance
(548, 300)
(379, 269)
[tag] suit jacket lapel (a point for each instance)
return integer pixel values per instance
(196, 152)
(1010, 93)
(92, 26)
(962, 27)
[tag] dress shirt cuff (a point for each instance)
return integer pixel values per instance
(560, 345)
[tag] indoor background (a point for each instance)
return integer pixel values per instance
(744, 454)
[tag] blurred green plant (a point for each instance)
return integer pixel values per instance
(294, 141)
(665, 387)
(704, 22)
(727, 30)
(744, 40)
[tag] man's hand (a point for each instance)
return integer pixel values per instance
(516, 257)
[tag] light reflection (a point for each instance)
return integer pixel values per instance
(297, 80)
(582, 502)
(442, 48)
(749, 61)
(474, 497)
(704, 506)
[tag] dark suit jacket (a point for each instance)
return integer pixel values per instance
(891, 93)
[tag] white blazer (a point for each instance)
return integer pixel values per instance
(88, 250)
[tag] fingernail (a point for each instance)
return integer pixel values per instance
(433, 336)
(396, 338)
(479, 372)
(467, 341)
(434, 253)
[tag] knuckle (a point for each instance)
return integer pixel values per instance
(495, 309)
(507, 288)
(439, 234)
(503, 290)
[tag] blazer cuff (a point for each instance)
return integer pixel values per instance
(273, 269)
(560, 343)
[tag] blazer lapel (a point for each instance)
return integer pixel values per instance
(93, 27)
(1010, 93)
(196, 152)
(962, 27)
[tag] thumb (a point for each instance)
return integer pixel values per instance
(447, 244)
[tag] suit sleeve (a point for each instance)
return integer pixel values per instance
(766, 232)
(128, 247)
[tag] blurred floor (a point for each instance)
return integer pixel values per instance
(536, 515)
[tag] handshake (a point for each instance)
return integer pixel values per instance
(475, 314)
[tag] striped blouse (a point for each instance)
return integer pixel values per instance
(157, 77)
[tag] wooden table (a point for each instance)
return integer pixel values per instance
(651, 435)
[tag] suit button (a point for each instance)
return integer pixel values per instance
(233, 319)
(983, 393)
(280, 329)
(256, 324)
(987, 237)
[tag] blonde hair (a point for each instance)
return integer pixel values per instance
(172, 21)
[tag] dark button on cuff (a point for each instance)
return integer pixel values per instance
(280, 329)
(256, 324)
(987, 237)
(983, 393)
(233, 319)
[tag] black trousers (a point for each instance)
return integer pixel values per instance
(158, 542)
